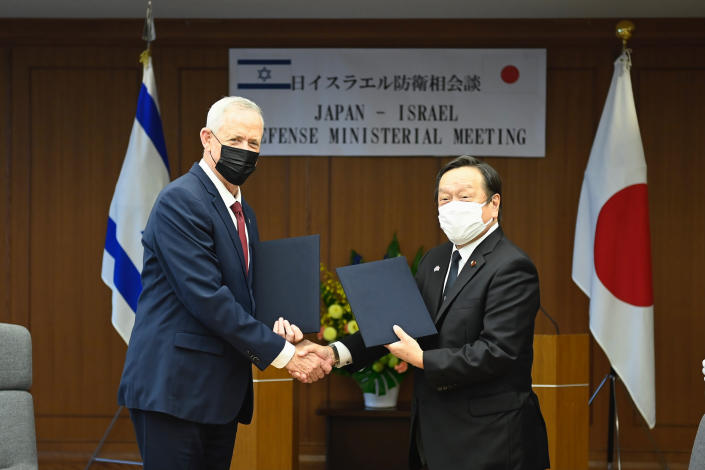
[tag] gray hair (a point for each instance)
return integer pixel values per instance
(216, 113)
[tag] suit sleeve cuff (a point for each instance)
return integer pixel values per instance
(344, 353)
(284, 356)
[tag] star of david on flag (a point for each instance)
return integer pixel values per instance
(263, 74)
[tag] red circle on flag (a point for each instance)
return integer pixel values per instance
(623, 246)
(510, 74)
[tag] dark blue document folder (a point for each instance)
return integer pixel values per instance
(383, 294)
(287, 282)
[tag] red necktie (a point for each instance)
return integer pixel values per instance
(237, 210)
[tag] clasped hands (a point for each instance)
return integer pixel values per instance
(311, 362)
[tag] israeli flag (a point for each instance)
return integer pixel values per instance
(263, 74)
(144, 173)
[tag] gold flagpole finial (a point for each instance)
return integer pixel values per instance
(624, 32)
(148, 33)
(144, 56)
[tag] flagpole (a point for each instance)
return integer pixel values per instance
(617, 151)
(612, 423)
(623, 31)
(149, 35)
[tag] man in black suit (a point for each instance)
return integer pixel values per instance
(473, 406)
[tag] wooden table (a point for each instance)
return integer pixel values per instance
(357, 438)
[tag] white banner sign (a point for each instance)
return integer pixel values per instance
(396, 102)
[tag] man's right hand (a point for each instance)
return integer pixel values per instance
(306, 365)
(325, 353)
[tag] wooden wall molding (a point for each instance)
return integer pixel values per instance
(5, 150)
(351, 33)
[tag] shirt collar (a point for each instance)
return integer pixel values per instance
(467, 250)
(225, 195)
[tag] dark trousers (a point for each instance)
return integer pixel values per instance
(169, 443)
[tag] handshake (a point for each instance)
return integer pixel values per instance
(311, 362)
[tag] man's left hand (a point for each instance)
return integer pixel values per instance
(288, 331)
(406, 349)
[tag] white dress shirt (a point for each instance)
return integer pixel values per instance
(465, 253)
(288, 351)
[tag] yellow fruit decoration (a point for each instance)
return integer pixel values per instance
(330, 333)
(335, 311)
(352, 327)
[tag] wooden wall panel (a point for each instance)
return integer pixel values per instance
(6, 113)
(672, 110)
(372, 198)
(268, 191)
(18, 204)
(309, 210)
(68, 203)
(571, 94)
(72, 136)
(670, 104)
(198, 88)
(69, 111)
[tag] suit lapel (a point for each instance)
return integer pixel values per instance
(437, 277)
(465, 276)
(252, 232)
(222, 211)
(469, 271)
(253, 240)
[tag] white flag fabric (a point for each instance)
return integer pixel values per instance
(144, 173)
(612, 250)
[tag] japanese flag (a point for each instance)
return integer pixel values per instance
(612, 251)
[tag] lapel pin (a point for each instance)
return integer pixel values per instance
(473, 263)
(436, 269)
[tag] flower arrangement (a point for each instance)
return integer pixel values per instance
(337, 320)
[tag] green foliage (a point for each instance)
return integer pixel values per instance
(417, 260)
(393, 250)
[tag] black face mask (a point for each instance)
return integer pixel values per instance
(235, 164)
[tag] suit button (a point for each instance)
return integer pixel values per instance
(255, 359)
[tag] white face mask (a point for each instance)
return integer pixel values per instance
(462, 221)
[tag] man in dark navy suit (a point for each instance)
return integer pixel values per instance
(187, 378)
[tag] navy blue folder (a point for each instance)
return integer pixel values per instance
(287, 282)
(383, 294)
